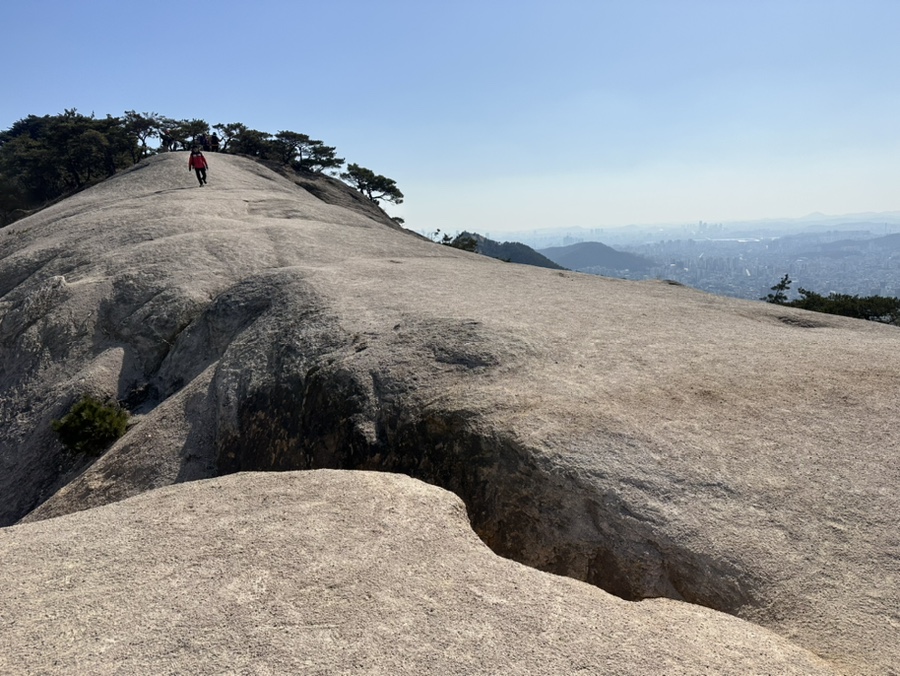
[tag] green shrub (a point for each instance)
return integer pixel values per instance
(91, 426)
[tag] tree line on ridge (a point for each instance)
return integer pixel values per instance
(45, 158)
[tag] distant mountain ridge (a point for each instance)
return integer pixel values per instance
(638, 234)
(595, 255)
(512, 252)
(886, 243)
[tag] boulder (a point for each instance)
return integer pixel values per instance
(330, 572)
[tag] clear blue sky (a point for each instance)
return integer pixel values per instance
(510, 114)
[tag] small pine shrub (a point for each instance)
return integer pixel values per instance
(91, 426)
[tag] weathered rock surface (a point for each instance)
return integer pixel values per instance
(647, 438)
(330, 572)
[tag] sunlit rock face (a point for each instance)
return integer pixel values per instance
(646, 438)
(330, 572)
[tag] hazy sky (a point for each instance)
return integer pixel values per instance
(510, 114)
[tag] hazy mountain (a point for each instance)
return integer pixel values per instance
(512, 252)
(595, 255)
(885, 244)
(635, 235)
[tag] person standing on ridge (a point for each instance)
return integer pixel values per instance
(198, 163)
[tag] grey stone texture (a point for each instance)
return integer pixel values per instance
(330, 572)
(644, 437)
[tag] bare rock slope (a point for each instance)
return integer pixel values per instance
(646, 438)
(330, 572)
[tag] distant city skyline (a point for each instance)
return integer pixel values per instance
(860, 262)
(511, 116)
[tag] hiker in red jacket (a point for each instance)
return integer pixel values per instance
(198, 163)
